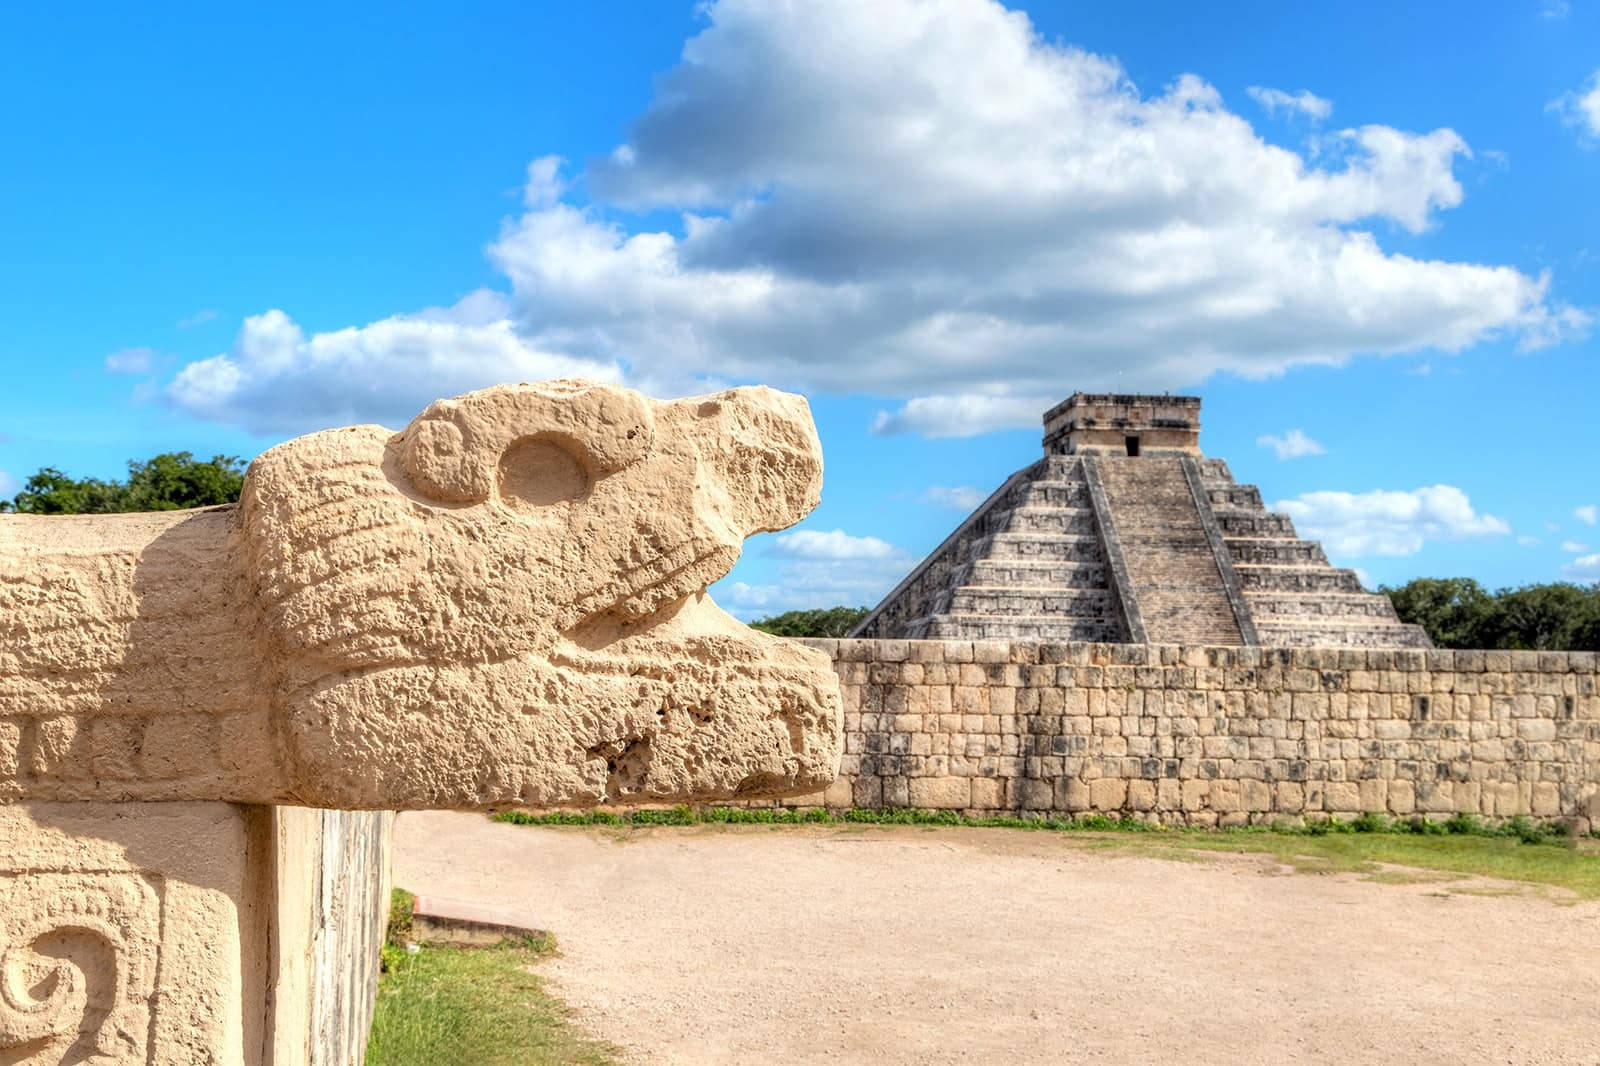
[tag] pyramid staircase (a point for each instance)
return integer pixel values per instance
(1028, 564)
(1295, 597)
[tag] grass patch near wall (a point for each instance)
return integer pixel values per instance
(1521, 850)
(439, 1006)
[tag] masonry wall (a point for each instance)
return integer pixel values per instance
(1217, 736)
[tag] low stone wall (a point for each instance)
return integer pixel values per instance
(1216, 736)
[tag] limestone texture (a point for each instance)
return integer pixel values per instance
(1206, 736)
(502, 603)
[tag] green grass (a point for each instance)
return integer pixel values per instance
(1555, 864)
(1462, 846)
(471, 1006)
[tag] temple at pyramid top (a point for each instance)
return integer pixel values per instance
(1125, 532)
(1087, 423)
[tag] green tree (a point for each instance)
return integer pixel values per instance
(1546, 617)
(174, 480)
(1458, 613)
(168, 482)
(823, 622)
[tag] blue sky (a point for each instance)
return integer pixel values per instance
(1369, 233)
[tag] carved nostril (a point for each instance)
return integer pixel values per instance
(540, 471)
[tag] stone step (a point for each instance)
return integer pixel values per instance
(1342, 635)
(1255, 524)
(992, 573)
(1049, 494)
(1176, 584)
(1315, 607)
(1055, 547)
(1243, 497)
(1024, 627)
(1273, 577)
(1214, 471)
(1034, 600)
(1048, 520)
(1274, 550)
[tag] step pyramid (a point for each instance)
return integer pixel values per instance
(1125, 533)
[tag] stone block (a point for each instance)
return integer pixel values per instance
(867, 792)
(940, 793)
(1034, 794)
(988, 794)
(1255, 795)
(1342, 797)
(1108, 794)
(190, 933)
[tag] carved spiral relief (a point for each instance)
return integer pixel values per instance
(77, 966)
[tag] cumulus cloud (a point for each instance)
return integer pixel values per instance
(1588, 514)
(819, 569)
(958, 497)
(1528, 541)
(131, 361)
(833, 544)
(1581, 107)
(1583, 568)
(1292, 445)
(1573, 547)
(1388, 522)
(928, 202)
(276, 379)
(962, 416)
(1276, 101)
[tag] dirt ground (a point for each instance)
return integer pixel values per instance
(888, 945)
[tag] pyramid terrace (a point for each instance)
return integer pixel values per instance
(1125, 532)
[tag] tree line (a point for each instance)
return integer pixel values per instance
(1457, 612)
(169, 482)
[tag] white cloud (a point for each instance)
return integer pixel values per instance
(131, 361)
(1388, 522)
(8, 485)
(1583, 568)
(1554, 9)
(275, 379)
(958, 497)
(1274, 101)
(832, 544)
(1573, 547)
(199, 318)
(962, 416)
(1588, 514)
(1529, 541)
(930, 203)
(819, 569)
(1292, 445)
(1581, 107)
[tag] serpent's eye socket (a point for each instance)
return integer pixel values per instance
(540, 471)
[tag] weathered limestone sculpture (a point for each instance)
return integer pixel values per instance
(502, 603)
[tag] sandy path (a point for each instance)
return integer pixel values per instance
(884, 945)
